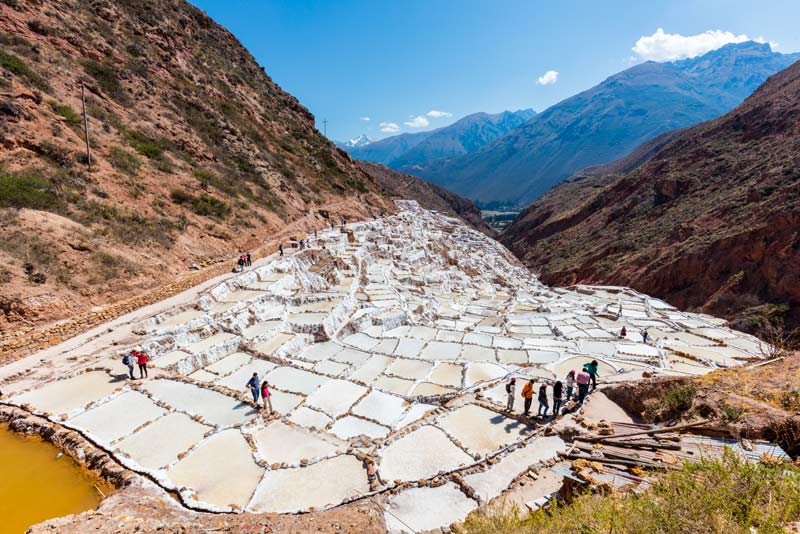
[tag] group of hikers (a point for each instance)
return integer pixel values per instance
(583, 378)
(136, 357)
(260, 390)
(245, 260)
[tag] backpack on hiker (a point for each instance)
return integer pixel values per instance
(508, 387)
(126, 360)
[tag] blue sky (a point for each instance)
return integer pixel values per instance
(394, 62)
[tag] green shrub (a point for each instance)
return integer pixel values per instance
(732, 413)
(208, 179)
(59, 155)
(209, 206)
(144, 145)
(14, 65)
(679, 398)
(107, 77)
(203, 204)
(124, 160)
(18, 190)
(179, 196)
(71, 117)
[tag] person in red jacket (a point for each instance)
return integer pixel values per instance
(141, 360)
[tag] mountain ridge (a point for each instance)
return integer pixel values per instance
(404, 151)
(605, 122)
(708, 222)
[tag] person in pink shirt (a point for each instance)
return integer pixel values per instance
(583, 380)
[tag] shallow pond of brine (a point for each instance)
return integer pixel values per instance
(36, 485)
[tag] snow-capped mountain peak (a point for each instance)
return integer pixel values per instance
(361, 140)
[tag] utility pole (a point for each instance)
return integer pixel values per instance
(325, 127)
(86, 129)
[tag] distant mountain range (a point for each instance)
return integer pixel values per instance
(406, 151)
(430, 196)
(706, 218)
(601, 124)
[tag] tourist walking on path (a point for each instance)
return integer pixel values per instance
(253, 384)
(570, 384)
(265, 397)
(623, 332)
(141, 361)
(280, 248)
(527, 394)
(557, 390)
(582, 379)
(645, 335)
(241, 264)
(128, 360)
(510, 388)
(591, 368)
(248, 259)
(543, 401)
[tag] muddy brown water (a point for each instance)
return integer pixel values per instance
(36, 485)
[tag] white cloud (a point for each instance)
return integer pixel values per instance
(671, 46)
(389, 127)
(365, 119)
(548, 78)
(417, 122)
(436, 114)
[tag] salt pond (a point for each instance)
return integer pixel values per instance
(386, 347)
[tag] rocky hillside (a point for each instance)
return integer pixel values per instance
(405, 152)
(709, 222)
(195, 153)
(428, 195)
(606, 122)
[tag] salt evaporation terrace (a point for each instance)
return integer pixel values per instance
(387, 345)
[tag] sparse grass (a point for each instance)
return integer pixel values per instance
(109, 266)
(22, 190)
(145, 145)
(209, 179)
(106, 77)
(774, 384)
(721, 495)
(41, 261)
(202, 204)
(71, 117)
(132, 228)
(16, 66)
(124, 160)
